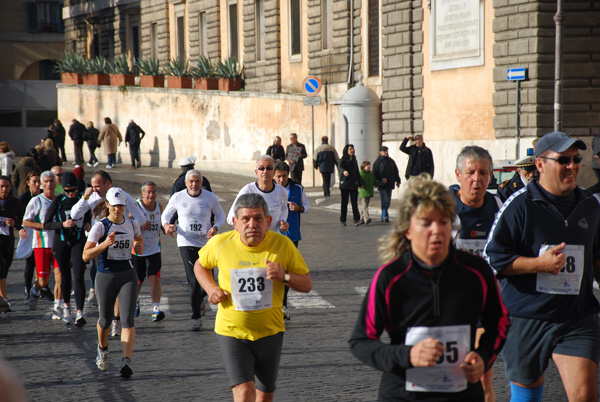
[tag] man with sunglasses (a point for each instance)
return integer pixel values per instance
(58, 172)
(525, 173)
(275, 195)
(544, 247)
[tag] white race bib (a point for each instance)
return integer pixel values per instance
(154, 230)
(193, 227)
(121, 250)
(473, 246)
(568, 280)
(250, 289)
(4, 228)
(446, 375)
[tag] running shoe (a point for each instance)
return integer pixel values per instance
(202, 308)
(197, 324)
(368, 221)
(158, 316)
(102, 359)
(45, 292)
(116, 328)
(286, 314)
(137, 308)
(79, 320)
(57, 313)
(89, 164)
(126, 370)
(92, 298)
(4, 306)
(109, 166)
(96, 163)
(67, 315)
(33, 301)
(26, 294)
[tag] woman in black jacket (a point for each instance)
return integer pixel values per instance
(67, 247)
(276, 150)
(350, 181)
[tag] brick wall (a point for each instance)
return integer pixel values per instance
(525, 37)
(402, 44)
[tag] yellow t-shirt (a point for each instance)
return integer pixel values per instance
(253, 308)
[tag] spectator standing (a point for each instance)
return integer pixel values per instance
(525, 173)
(77, 133)
(51, 154)
(26, 165)
(386, 171)
(7, 159)
(111, 138)
(295, 154)
(326, 159)
(59, 142)
(91, 137)
(420, 158)
(350, 181)
(366, 191)
(276, 150)
(133, 136)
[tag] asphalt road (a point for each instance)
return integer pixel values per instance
(170, 362)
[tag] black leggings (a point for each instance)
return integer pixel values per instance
(109, 286)
(189, 255)
(353, 195)
(68, 254)
(7, 249)
(28, 271)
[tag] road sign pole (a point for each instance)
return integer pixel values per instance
(312, 108)
(517, 118)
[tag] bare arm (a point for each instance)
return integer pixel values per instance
(298, 282)
(205, 277)
(92, 250)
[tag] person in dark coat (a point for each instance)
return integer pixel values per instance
(325, 159)
(91, 137)
(276, 150)
(420, 158)
(76, 133)
(187, 164)
(26, 165)
(350, 181)
(59, 139)
(133, 136)
(524, 174)
(295, 154)
(386, 171)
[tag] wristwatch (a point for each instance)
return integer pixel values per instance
(216, 228)
(286, 277)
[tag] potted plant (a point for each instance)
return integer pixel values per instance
(70, 67)
(230, 78)
(120, 72)
(151, 75)
(205, 74)
(96, 71)
(178, 72)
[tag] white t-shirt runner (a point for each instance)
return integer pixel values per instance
(276, 200)
(193, 215)
(151, 236)
(36, 212)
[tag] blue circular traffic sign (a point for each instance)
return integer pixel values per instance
(311, 85)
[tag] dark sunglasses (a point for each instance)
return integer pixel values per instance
(59, 174)
(565, 160)
(70, 190)
(261, 168)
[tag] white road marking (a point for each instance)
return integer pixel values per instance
(145, 175)
(308, 300)
(146, 305)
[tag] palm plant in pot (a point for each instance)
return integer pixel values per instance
(230, 77)
(120, 72)
(71, 68)
(205, 74)
(178, 72)
(96, 71)
(151, 75)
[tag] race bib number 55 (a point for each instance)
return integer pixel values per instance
(250, 289)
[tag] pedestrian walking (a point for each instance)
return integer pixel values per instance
(111, 138)
(294, 155)
(276, 150)
(59, 141)
(91, 138)
(366, 191)
(325, 159)
(77, 133)
(133, 136)
(350, 181)
(386, 171)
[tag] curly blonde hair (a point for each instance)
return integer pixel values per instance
(422, 194)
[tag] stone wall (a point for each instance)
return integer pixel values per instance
(226, 131)
(155, 11)
(265, 74)
(402, 44)
(213, 23)
(525, 37)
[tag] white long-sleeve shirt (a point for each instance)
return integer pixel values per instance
(276, 200)
(83, 205)
(193, 215)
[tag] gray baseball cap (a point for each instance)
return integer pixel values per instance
(557, 141)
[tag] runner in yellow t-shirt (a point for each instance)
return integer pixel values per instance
(254, 264)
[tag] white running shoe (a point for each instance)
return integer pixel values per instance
(92, 298)
(286, 314)
(116, 328)
(102, 359)
(197, 324)
(96, 163)
(57, 313)
(80, 320)
(67, 315)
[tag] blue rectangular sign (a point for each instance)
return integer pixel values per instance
(516, 74)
